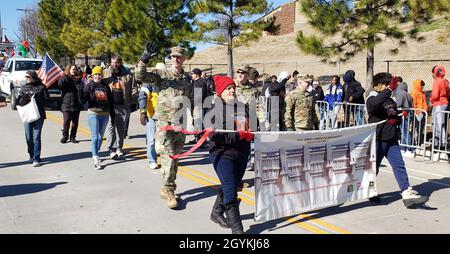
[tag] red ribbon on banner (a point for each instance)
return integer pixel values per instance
(196, 146)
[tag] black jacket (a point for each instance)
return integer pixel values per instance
(40, 95)
(99, 97)
(353, 88)
(70, 94)
(228, 145)
(381, 107)
(202, 85)
(318, 94)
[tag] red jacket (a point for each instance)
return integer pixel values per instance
(440, 92)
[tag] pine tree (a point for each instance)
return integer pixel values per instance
(134, 23)
(51, 21)
(229, 23)
(84, 31)
(362, 26)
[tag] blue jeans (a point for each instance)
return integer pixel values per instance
(406, 135)
(97, 124)
(391, 150)
(360, 116)
(151, 129)
(230, 173)
(33, 137)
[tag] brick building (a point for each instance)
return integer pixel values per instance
(288, 17)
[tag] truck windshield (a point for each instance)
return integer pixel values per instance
(28, 65)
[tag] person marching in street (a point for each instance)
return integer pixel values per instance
(419, 102)
(381, 107)
(229, 153)
(33, 130)
(353, 93)
(100, 102)
(300, 111)
(70, 85)
(334, 95)
(439, 100)
(147, 105)
(172, 85)
(120, 81)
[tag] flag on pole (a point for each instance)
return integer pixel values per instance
(49, 71)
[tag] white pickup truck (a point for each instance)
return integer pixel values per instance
(13, 76)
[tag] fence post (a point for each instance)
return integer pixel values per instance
(388, 66)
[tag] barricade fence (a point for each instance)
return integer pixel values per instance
(413, 128)
(440, 137)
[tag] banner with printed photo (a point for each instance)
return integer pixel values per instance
(304, 171)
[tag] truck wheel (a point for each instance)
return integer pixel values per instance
(13, 100)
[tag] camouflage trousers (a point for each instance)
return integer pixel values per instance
(168, 143)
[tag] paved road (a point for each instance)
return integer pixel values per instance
(67, 195)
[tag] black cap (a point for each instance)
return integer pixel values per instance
(197, 71)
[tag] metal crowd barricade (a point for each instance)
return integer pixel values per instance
(353, 114)
(322, 108)
(413, 131)
(440, 143)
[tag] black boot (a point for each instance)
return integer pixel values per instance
(234, 217)
(218, 210)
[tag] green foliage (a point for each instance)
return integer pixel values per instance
(133, 23)
(51, 21)
(84, 32)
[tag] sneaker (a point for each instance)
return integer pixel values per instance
(153, 165)
(36, 164)
(119, 152)
(411, 197)
(408, 154)
(112, 155)
(63, 140)
(97, 165)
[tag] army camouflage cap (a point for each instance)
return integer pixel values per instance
(178, 51)
(252, 73)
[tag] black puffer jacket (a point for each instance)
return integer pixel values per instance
(381, 107)
(353, 88)
(40, 95)
(70, 88)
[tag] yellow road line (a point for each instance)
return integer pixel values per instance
(197, 177)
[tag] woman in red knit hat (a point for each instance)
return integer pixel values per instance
(229, 153)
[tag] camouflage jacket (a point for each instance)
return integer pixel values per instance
(246, 92)
(171, 86)
(300, 111)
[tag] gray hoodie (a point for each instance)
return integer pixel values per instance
(402, 97)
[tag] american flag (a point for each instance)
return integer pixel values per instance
(49, 71)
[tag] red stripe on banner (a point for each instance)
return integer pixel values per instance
(195, 147)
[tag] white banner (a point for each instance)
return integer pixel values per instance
(305, 171)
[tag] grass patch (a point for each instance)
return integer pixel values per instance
(435, 25)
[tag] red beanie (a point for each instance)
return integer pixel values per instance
(221, 83)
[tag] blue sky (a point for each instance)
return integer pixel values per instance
(11, 17)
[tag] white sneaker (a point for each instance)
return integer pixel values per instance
(113, 155)
(97, 164)
(411, 197)
(153, 165)
(36, 164)
(408, 154)
(119, 152)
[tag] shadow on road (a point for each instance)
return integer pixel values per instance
(50, 160)
(23, 189)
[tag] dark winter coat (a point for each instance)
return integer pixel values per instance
(40, 95)
(353, 88)
(70, 88)
(381, 107)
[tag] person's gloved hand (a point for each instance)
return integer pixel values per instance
(149, 52)
(247, 135)
(404, 114)
(143, 119)
(394, 83)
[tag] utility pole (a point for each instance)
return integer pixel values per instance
(26, 11)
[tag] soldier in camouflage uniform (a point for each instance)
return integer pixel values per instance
(300, 110)
(172, 84)
(247, 92)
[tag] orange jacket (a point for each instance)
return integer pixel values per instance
(440, 92)
(418, 95)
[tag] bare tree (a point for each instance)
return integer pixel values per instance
(28, 29)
